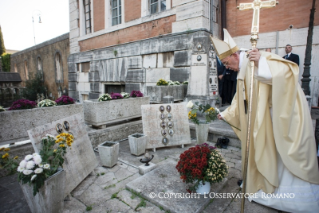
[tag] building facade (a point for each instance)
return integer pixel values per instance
(48, 58)
(128, 45)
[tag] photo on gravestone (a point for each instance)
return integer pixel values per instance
(166, 125)
(80, 161)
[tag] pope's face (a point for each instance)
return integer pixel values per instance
(232, 62)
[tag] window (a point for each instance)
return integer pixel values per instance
(83, 67)
(39, 64)
(87, 15)
(15, 68)
(157, 6)
(58, 67)
(116, 12)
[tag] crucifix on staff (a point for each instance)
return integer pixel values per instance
(276, 133)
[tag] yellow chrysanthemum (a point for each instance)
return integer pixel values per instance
(16, 157)
(58, 136)
(5, 156)
(57, 141)
(7, 149)
(1, 149)
(54, 150)
(61, 145)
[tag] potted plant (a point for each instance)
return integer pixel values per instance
(202, 127)
(125, 94)
(109, 152)
(136, 94)
(200, 166)
(22, 104)
(137, 143)
(105, 97)
(46, 103)
(64, 100)
(41, 175)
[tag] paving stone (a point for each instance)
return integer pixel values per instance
(122, 165)
(230, 164)
(122, 174)
(100, 169)
(84, 185)
(250, 207)
(129, 198)
(115, 205)
(94, 195)
(115, 168)
(235, 161)
(150, 207)
(103, 179)
(132, 169)
(234, 173)
(73, 206)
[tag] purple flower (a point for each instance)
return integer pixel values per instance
(22, 104)
(64, 100)
(136, 94)
(116, 96)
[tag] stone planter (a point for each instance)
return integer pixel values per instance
(14, 124)
(99, 113)
(137, 143)
(202, 133)
(50, 198)
(156, 93)
(109, 153)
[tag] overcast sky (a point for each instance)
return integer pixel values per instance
(16, 21)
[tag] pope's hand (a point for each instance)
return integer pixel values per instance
(219, 117)
(220, 77)
(254, 55)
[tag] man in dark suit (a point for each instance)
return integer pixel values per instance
(290, 56)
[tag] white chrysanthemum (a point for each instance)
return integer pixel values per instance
(38, 170)
(20, 169)
(46, 166)
(23, 163)
(33, 177)
(28, 157)
(30, 164)
(35, 154)
(190, 104)
(37, 159)
(40, 165)
(27, 172)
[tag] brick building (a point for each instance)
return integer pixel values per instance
(48, 58)
(128, 45)
(131, 44)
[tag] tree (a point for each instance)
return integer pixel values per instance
(34, 86)
(2, 47)
(5, 59)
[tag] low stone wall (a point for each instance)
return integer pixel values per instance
(14, 124)
(156, 93)
(105, 112)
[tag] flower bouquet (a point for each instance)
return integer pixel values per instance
(125, 94)
(201, 164)
(36, 168)
(209, 112)
(136, 94)
(161, 82)
(105, 97)
(116, 96)
(46, 103)
(64, 100)
(22, 104)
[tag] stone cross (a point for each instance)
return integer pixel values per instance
(256, 5)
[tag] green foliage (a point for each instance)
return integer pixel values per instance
(88, 208)
(34, 86)
(141, 204)
(5, 58)
(6, 162)
(114, 195)
(2, 47)
(115, 53)
(207, 110)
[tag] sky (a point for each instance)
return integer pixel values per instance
(17, 26)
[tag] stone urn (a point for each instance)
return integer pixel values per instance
(137, 143)
(109, 153)
(50, 197)
(202, 132)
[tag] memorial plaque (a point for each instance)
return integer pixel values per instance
(80, 160)
(172, 131)
(199, 60)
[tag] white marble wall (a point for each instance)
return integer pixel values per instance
(298, 39)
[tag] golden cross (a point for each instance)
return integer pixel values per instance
(256, 5)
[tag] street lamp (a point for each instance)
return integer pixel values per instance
(35, 13)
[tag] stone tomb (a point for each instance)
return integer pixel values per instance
(152, 125)
(80, 160)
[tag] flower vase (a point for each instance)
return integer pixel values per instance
(137, 143)
(202, 133)
(50, 198)
(203, 189)
(109, 153)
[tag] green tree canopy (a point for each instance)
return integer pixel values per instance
(34, 86)
(2, 47)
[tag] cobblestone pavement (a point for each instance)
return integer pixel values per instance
(104, 190)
